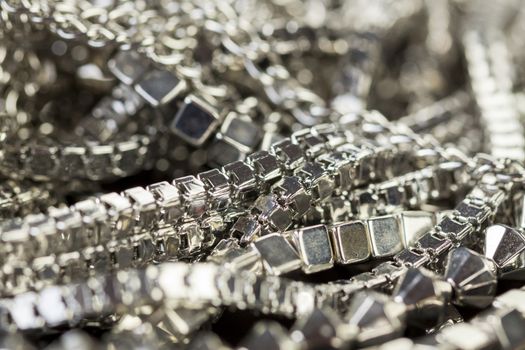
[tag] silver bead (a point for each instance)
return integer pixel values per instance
(278, 255)
(415, 224)
(425, 296)
(472, 276)
(385, 235)
(505, 245)
(315, 248)
(351, 242)
(377, 317)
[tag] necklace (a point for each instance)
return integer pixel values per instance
(261, 174)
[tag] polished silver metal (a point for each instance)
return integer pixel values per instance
(283, 196)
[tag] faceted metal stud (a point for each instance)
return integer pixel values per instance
(267, 335)
(415, 224)
(158, 87)
(385, 235)
(377, 317)
(351, 242)
(279, 257)
(451, 317)
(504, 246)
(425, 296)
(322, 329)
(472, 276)
(195, 121)
(314, 248)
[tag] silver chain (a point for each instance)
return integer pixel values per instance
(353, 168)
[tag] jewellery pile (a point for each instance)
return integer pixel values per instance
(262, 174)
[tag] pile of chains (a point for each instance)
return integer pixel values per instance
(262, 174)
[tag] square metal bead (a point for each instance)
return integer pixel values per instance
(351, 242)
(472, 213)
(243, 180)
(168, 201)
(120, 211)
(144, 206)
(279, 257)
(273, 213)
(15, 231)
(385, 235)
(414, 224)
(217, 187)
(453, 229)
(127, 66)
(93, 217)
(72, 161)
(42, 229)
(292, 193)
(192, 237)
(265, 166)
(313, 144)
(193, 193)
(247, 228)
(410, 258)
(195, 121)
(433, 245)
(221, 152)
(69, 224)
(158, 87)
(313, 174)
(100, 163)
(290, 154)
(229, 253)
(314, 248)
(241, 130)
